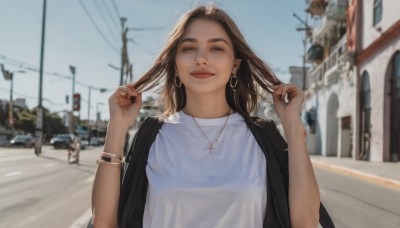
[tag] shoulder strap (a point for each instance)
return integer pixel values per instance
(134, 180)
(269, 138)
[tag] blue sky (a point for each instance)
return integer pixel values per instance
(72, 39)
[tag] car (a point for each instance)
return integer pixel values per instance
(23, 141)
(96, 141)
(84, 144)
(61, 140)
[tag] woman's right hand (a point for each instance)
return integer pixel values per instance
(122, 110)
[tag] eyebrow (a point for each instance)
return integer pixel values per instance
(213, 40)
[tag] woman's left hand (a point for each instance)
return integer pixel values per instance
(290, 110)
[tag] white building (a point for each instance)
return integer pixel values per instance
(329, 107)
(378, 81)
(353, 94)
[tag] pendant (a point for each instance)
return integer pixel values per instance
(210, 147)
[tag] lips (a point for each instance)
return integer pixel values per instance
(201, 74)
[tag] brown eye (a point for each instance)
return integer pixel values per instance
(217, 49)
(186, 49)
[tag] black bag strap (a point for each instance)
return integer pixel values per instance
(134, 180)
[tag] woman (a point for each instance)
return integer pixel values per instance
(207, 165)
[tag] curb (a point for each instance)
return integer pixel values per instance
(387, 182)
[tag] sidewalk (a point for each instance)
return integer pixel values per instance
(383, 173)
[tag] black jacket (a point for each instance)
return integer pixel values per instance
(134, 180)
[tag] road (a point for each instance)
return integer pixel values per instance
(355, 203)
(45, 191)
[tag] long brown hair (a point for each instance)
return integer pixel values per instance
(253, 74)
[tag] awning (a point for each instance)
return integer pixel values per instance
(315, 53)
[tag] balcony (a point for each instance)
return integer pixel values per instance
(328, 72)
(332, 14)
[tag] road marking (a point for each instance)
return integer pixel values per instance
(12, 174)
(56, 206)
(16, 158)
(48, 165)
(83, 220)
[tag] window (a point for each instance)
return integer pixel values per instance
(365, 92)
(377, 11)
(396, 79)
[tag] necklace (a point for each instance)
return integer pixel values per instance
(211, 145)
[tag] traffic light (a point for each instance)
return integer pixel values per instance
(77, 102)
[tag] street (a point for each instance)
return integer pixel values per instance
(354, 203)
(44, 191)
(47, 192)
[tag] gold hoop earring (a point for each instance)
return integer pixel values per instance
(235, 83)
(177, 79)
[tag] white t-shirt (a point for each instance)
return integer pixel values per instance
(189, 187)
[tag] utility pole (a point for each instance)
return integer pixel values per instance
(10, 76)
(307, 30)
(71, 125)
(126, 67)
(88, 114)
(39, 111)
(124, 50)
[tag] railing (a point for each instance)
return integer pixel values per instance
(317, 75)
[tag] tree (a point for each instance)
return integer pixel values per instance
(26, 121)
(52, 124)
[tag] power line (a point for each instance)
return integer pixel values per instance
(116, 9)
(112, 18)
(97, 28)
(104, 19)
(33, 98)
(15, 61)
(34, 68)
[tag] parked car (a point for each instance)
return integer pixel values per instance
(23, 140)
(61, 140)
(96, 141)
(84, 144)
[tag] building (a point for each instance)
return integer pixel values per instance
(297, 77)
(378, 79)
(329, 107)
(352, 106)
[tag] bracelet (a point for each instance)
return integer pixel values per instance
(111, 155)
(109, 163)
(108, 159)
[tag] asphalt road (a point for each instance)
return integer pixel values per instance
(355, 203)
(45, 191)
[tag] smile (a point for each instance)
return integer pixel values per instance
(201, 74)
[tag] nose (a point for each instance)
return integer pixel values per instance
(201, 58)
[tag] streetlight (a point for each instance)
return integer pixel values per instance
(8, 75)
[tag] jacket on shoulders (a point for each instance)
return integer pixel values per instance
(134, 181)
